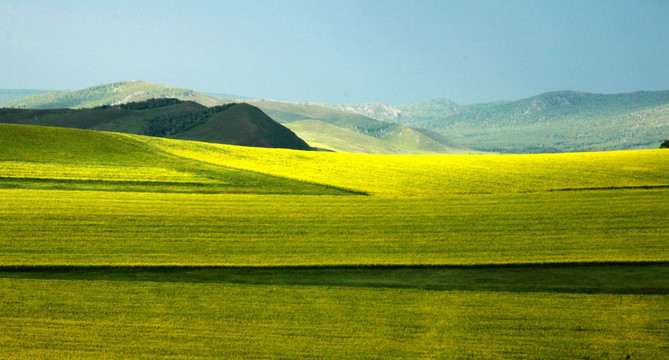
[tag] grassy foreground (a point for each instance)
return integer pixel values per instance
(116, 246)
(101, 319)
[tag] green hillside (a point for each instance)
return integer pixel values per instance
(551, 122)
(491, 208)
(113, 93)
(237, 124)
(401, 139)
(61, 158)
(323, 135)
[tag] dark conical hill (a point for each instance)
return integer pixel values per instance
(246, 125)
(234, 124)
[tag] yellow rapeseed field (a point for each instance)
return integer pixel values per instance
(434, 175)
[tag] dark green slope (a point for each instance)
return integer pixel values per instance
(110, 119)
(246, 125)
(235, 124)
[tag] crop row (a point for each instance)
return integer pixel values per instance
(84, 228)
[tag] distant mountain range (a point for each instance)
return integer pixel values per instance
(236, 124)
(551, 122)
(356, 134)
(563, 121)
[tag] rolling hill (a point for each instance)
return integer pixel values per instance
(326, 136)
(551, 122)
(236, 124)
(44, 157)
(110, 94)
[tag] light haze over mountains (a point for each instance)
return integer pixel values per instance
(561, 121)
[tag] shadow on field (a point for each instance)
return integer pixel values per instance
(606, 278)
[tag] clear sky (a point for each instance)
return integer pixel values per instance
(340, 51)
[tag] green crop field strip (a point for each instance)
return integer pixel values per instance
(125, 228)
(121, 246)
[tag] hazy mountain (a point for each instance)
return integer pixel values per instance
(235, 124)
(227, 96)
(113, 93)
(400, 139)
(7, 95)
(405, 114)
(550, 122)
(373, 110)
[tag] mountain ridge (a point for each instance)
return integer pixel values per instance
(234, 124)
(556, 121)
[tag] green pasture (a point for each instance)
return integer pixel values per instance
(119, 246)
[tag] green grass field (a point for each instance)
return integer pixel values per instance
(126, 228)
(120, 246)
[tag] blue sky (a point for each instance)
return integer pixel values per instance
(340, 51)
